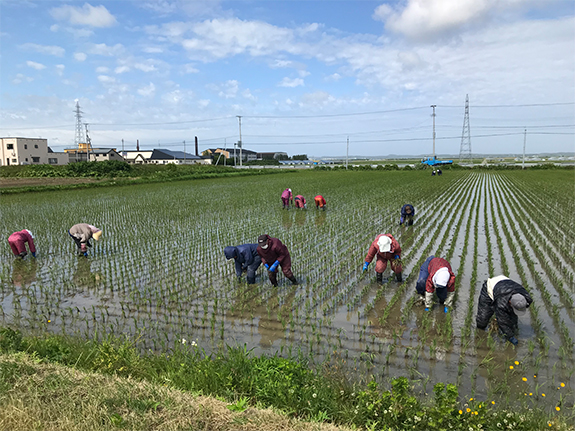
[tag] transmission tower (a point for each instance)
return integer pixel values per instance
(465, 149)
(80, 137)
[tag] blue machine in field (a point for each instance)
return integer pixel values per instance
(432, 161)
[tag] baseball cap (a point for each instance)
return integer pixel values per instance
(262, 239)
(519, 304)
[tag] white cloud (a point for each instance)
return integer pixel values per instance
(277, 64)
(105, 79)
(106, 50)
(19, 78)
(227, 90)
(287, 82)
(80, 56)
(60, 69)
(121, 69)
(153, 50)
(219, 38)
(317, 99)
(54, 28)
(247, 94)
(88, 15)
(203, 103)
(189, 68)
(145, 67)
(148, 90)
(428, 19)
(34, 65)
(102, 69)
(334, 77)
(44, 49)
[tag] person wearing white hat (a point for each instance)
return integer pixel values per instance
(506, 299)
(287, 196)
(436, 276)
(386, 248)
(18, 242)
(81, 233)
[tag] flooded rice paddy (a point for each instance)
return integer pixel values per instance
(159, 273)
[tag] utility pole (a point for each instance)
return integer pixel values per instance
(240, 141)
(184, 152)
(88, 143)
(524, 142)
(122, 146)
(433, 115)
(347, 153)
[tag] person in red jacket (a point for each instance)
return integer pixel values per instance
(286, 198)
(300, 202)
(18, 242)
(436, 275)
(274, 254)
(320, 202)
(386, 247)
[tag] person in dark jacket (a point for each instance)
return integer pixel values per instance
(407, 213)
(246, 259)
(386, 247)
(507, 299)
(274, 254)
(436, 276)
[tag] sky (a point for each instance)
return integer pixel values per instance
(322, 78)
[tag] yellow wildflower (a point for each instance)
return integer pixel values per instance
(468, 409)
(524, 379)
(460, 412)
(516, 362)
(510, 367)
(542, 395)
(562, 385)
(557, 408)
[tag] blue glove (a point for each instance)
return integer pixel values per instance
(365, 265)
(426, 309)
(397, 256)
(34, 253)
(513, 341)
(85, 254)
(274, 267)
(445, 309)
(267, 266)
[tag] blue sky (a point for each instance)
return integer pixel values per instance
(304, 75)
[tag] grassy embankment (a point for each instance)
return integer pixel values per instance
(55, 382)
(106, 174)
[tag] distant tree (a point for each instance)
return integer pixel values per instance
(282, 157)
(299, 157)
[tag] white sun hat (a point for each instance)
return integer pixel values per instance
(384, 244)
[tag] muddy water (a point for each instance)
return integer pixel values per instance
(168, 280)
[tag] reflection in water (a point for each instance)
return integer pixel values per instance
(83, 277)
(24, 272)
(287, 219)
(320, 217)
(300, 217)
(271, 325)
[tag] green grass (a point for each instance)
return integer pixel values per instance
(237, 377)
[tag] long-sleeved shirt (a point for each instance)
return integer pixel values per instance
(390, 255)
(276, 251)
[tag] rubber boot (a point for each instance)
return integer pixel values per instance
(379, 277)
(293, 280)
(399, 277)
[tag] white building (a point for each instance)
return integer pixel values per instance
(164, 157)
(105, 154)
(29, 151)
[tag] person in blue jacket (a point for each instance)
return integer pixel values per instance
(407, 213)
(247, 259)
